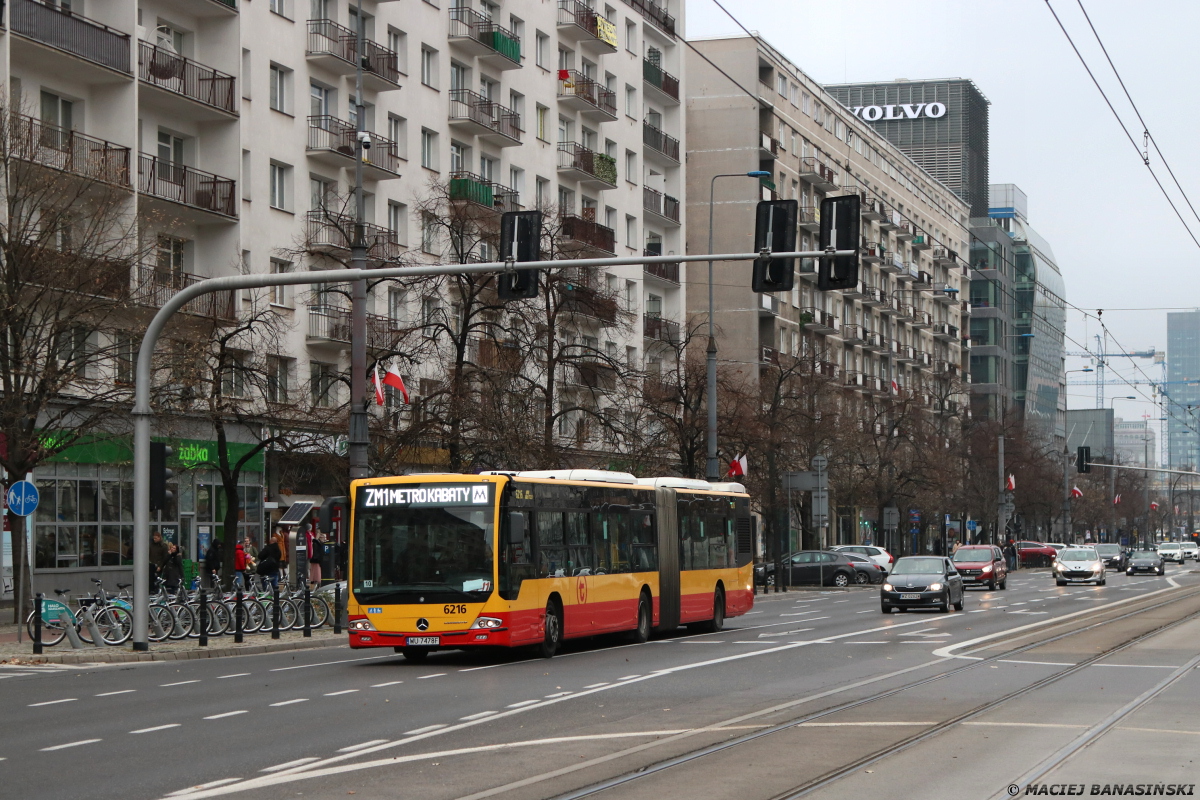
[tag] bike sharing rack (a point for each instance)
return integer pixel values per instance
(143, 413)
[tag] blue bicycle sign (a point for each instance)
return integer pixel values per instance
(23, 498)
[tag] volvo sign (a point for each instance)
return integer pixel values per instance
(900, 111)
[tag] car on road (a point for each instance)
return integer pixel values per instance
(877, 554)
(865, 570)
(1190, 550)
(981, 565)
(1035, 554)
(810, 568)
(1171, 551)
(922, 582)
(1144, 561)
(1056, 545)
(1079, 565)
(1113, 555)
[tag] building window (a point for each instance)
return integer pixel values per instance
(170, 254)
(397, 41)
(631, 235)
(429, 233)
(541, 123)
(125, 358)
(281, 7)
(398, 133)
(281, 81)
(398, 222)
(280, 181)
(397, 307)
(804, 100)
(233, 375)
(542, 200)
(279, 294)
(782, 84)
(322, 384)
(278, 379)
(630, 101)
(429, 158)
(631, 36)
(516, 182)
(631, 170)
(540, 45)
(429, 67)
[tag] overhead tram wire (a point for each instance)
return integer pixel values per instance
(1145, 127)
(1121, 122)
(1009, 294)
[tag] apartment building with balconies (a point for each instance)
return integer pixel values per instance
(232, 126)
(907, 320)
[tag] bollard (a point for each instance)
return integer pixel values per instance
(89, 616)
(37, 624)
(69, 625)
(237, 617)
(203, 618)
(275, 611)
(307, 611)
(337, 608)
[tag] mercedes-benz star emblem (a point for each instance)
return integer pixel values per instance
(422, 624)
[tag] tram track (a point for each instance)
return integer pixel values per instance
(837, 774)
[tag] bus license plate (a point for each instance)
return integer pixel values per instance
(424, 640)
(909, 596)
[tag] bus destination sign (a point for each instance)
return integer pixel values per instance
(435, 496)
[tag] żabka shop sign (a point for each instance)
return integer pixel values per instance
(906, 111)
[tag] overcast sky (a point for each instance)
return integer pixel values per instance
(1051, 134)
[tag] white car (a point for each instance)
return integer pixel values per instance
(1190, 550)
(1079, 565)
(880, 556)
(1171, 551)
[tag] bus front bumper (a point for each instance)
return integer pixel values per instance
(445, 640)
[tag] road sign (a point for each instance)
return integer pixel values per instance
(820, 506)
(891, 517)
(800, 481)
(23, 498)
(819, 463)
(971, 524)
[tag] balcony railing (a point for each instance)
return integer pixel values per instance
(496, 354)
(574, 156)
(582, 299)
(156, 286)
(659, 329)
(70, 151)
(334, 325)
(589, 232)
(326, 37)
(768, 144)
(469, 23)
(469, 187)
(472, 106)
(661, 141)
(187, 186)
(333, 135)
(335, 232)
(812, 169)
(668, 271)
(72, 33)
(575, 84)
(662, 204)
(809, 217)
(599, 29)
(660, 79)
(167, 70)
(655, 14)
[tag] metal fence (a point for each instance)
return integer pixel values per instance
(71, 32)
(661, 141)
(68, 150)
(183, 184)
(329, 38)
(338, 136)
(173, 72)
(589, 232)
(157, 285)
(468, 105)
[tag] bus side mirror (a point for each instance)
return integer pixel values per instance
(516, 527)
(325, 514)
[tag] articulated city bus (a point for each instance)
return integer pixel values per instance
(452, 561)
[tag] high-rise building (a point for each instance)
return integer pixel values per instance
(1135, 441)
(237, 121)
(1183, 389)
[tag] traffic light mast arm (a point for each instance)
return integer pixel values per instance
(1144, 469)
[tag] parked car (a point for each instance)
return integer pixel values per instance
(1190, 550)
(1171, 551)
(922, 582)
(1113, 555)
(810, 568)
(1057, 545)
(1079, 565)
(1145, 561)
(981, 564)
(1035, 554)
(865, 570)
(877, 554)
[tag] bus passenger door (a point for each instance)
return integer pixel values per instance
(517, 584)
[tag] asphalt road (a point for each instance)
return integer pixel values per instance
(334, 722)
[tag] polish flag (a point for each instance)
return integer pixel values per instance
(738, 467)
(1154, 506)
(378, 386)
(1117, 500)
(895, 387)
(1011, 483)
(1076, 492)
(391, 377)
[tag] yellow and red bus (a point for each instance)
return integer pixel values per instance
(450, 561)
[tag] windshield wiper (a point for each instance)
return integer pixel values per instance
(446, 586)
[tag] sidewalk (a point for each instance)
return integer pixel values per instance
(12, 653)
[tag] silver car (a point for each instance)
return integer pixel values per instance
(1079, 565)
(1171, 551)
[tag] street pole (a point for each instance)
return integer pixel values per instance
(359, 438)
(1146, 485)
(1066, 496)
(1001, 508)
(1112, 506)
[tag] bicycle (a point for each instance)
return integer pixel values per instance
(114, 621)
(114, 624)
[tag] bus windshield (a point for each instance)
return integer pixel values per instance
(423, 543)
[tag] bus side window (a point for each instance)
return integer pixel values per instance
(580, 557)
(730, 542)
(717, 538)
(622, 541)
(602, 534)
(699, 545)
(517, 563)
(645, 543)
(551, 552)
(685, 545)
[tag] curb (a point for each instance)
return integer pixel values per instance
(125, 657)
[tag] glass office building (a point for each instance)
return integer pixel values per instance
(1183, 388)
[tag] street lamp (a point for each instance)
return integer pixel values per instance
(1146, 462)
(712, 469)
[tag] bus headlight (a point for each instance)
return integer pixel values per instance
(363, 624)
(482, 623)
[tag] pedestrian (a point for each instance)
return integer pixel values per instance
(248, 546)
(172, 571)
(281, 543)
(954, 549)
(268, 562)
(212, 562)
(1010, 554)
(158, 555)
(316, 557)
(239, 565)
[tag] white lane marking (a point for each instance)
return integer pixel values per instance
(841, 601)
(177, 683)
(748, 613)
(202, 787)
(1124, 728)
(557, 694)
(629, 677)
(426, 729)
(879, 642)
(290, 702)
(480, 715)
(788, 633)
(234, 675)
(1139, 666)
(710, 641)
(434, 675)
(591, 686)
(70, 744)
(228, 714)
(354, 747)
(54, 702)
(524, 703)
(978, 610)
(343, 691)
(290, 764)
(381, 685)
(1172, 582)
(1039, 663)
(156, 728)
(868, 611)
(800, 613)
(1024, 724)
(862, 724)
(327, 663)
(110, 694)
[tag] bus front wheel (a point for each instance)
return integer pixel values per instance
(718, 619)
(641, 634)
(553, 631)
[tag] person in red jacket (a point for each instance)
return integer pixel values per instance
(239, 565)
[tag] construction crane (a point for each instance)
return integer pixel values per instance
(1099, 358)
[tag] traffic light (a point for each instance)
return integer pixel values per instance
(520, 240)
(159, 475)
(333, 507)
(1083, 460)
(840, 223)
(775, 230)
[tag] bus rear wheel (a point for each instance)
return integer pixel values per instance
(718, 618)
(553, 636)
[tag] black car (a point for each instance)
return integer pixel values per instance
(1113, 555)
(811, 568)
(1145, 561)
(865, 570)
(922, 582)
